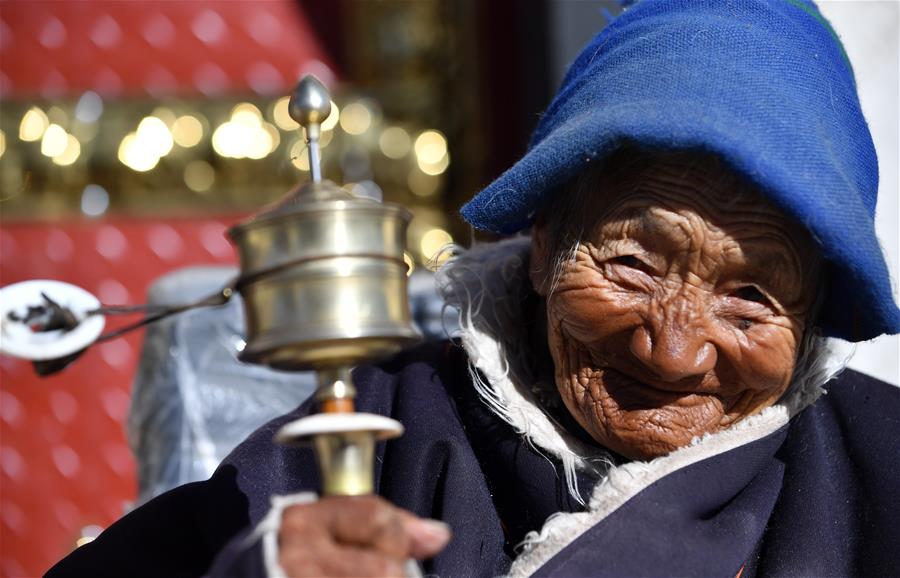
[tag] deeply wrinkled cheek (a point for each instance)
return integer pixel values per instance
(768, 366)
(586, 318)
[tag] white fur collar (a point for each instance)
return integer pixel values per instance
(487, 285)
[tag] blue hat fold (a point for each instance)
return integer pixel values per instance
(765, 85)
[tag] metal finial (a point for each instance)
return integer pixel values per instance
(310, 101)
(310, 105)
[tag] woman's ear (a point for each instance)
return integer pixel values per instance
(538, 269)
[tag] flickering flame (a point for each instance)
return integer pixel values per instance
(33, 125)
(355, 118)
(430, 147)
(199, 176)
(245, 135)
(187, 131)
(70, 153)
(433, 241)
(54, 141)
(394, 142)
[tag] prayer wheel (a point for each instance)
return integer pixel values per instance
(324, 284)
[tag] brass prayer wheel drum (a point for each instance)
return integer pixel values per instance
(323, 280)
(324, 286)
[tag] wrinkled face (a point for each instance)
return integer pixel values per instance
(682, 309)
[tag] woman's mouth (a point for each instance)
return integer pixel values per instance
(633, 394)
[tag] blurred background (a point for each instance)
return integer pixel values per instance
(132, 134)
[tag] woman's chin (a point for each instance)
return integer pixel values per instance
(642, 447)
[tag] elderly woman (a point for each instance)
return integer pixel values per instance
(637, 385)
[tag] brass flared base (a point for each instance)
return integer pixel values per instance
(344, 445)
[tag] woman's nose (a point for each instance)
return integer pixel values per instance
(674, 346)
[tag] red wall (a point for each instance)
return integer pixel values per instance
(64, 459)
(156, 48)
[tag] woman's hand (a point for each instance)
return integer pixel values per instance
(355, 536)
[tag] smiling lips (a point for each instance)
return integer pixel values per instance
(632, 394)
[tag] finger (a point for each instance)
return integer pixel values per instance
(304, 516)
(309, 546)
(303, 524)
(288, 539)
(301, 560)
(371, 522)
(351, 561)
(427, 537)
(303, 542)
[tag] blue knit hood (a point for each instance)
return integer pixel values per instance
(764, 84)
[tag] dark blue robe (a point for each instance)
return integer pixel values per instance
(816, 498)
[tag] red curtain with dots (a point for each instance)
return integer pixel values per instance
(155, 48)
(64, 459)
(65, 463)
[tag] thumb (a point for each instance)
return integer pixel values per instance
(427, 537)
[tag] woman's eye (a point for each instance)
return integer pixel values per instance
(751, 293)
(632, 262)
